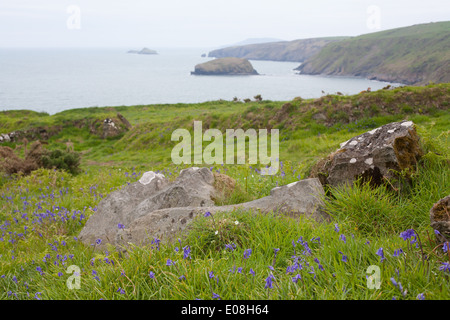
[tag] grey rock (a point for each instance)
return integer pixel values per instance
(118, 207)
(375, 155)
(440, 219)
(155, 208)
(193, 187)
(303, 197)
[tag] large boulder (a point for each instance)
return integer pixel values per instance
(301, 198)
(374, 156)
(440, 219)
(156, 208)
(194, 187)
(119, 208)
(225, 66)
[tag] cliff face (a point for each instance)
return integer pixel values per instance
(296, 50)
(225, 66)
(412, 55)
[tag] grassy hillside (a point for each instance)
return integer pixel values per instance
(42, 214)
(296, 50)
(411, 55)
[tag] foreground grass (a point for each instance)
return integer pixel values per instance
(42, 214)
(290, 259)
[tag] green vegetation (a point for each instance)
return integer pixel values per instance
(412, 55)
(42, 213)
(296, 50)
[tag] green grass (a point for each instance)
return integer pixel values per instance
(42, 214)
(413, 55)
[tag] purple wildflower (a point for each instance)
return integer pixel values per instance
(445, 267)
(247, 253)
(269, 280)
(381, 254)
(398, 252)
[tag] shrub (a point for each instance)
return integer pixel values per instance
(63, 160)
(10, 163)
(37, 157)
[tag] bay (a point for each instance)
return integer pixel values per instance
(56, 79)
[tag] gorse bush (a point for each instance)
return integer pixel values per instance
(62, 160)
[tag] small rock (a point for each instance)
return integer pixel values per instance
(440, 219)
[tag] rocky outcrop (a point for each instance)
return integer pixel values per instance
(225, 66)
(376, 156)
(440, 219)
(109, 127)
(38, 133)
(154, 208)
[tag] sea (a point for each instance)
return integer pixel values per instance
(52, 80)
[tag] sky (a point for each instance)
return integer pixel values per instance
(200, 23)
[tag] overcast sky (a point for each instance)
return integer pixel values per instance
(200, 23)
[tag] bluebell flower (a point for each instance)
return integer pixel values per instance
(269, 280)
(420, 296)
(120, 226)
(252, 272)
(397, 252)
(215, 296)
(247, 253)
(296, 278)
(344, 257)
(151, 274)
(120, 290)
(343, 238)
(408, 234)
(207, 214)
(336, 227)
(186, 252)
(230, 246)
(381, 254)
(211, 274)
(445, 267)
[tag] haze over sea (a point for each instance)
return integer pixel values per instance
(53, 80)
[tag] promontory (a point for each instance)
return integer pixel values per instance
(225, 66)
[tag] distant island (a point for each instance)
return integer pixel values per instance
(225, 66)
(414, 55)
(143, 51)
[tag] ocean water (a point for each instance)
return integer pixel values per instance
(53, 80)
